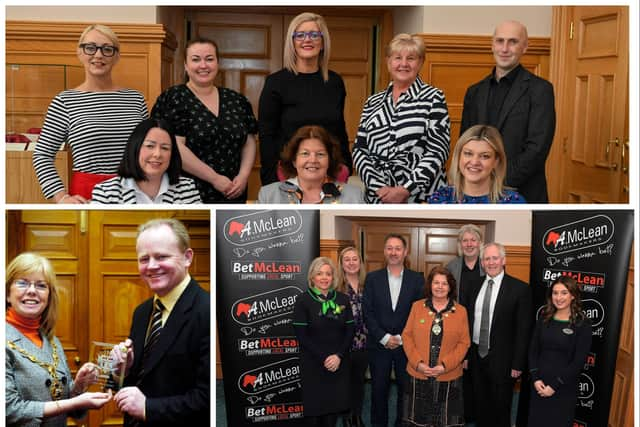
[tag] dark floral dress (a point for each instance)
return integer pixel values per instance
(216, 140)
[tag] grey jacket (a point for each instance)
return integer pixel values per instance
(26, 391)
(289, 192)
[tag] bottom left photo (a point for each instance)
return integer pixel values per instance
(108, 317)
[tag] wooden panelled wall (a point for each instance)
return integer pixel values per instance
(454, 62)
(146, 64)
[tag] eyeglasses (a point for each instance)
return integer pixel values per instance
(301, 35)
(320, 155)
(39, 285)
(92, 48)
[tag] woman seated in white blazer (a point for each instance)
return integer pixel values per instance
(149, 171)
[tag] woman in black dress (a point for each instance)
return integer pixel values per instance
(561, 341)
(214, 127)
(324, 326)
(304, 92)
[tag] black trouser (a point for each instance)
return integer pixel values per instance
(492, 396)
(359, 363)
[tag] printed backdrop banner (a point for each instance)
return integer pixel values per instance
(262, 261)
(594, 248)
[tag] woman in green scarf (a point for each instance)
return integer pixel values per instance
(323, 322)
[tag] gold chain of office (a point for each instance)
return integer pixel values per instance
(56, 388)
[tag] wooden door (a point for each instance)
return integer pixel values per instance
(592, 111)
(251, 48)
(430, 242)
(93, 253)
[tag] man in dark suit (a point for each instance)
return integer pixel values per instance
(167, 379)
(388, 296)
(500, 326)
(521, 106)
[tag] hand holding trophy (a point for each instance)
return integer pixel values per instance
(113, 362)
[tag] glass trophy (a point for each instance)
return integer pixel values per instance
(108, 377)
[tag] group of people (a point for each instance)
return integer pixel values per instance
(165, 361)
(200, 143)
(456, 342)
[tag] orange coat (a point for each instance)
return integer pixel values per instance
(416, 340)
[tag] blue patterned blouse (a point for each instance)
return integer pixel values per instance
(448, 195)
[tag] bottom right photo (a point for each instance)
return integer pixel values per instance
(437, 317)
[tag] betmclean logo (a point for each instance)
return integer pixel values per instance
(583, 278)
(594, 311)
(265, 306)
(270, 376)
(268, 346)
(590, 361)
(265, 267)
(574, 236)
(275, 412)
(261, 226)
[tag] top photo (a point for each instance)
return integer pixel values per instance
(318, 105)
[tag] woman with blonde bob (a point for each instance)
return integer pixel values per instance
(477, 170)
(304, 92)
(39, 387)
(95, 119)
(403, 137)
(324, 327)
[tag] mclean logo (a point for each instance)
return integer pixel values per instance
(268, 346)
(265, 306)
(594, 311)
(590, 362)
(578, 235)
(586, 387)
(260, 226)
(270, 376)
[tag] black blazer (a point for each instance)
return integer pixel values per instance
(176, 381)
(510, 326)
(379, 316)
(527, 123)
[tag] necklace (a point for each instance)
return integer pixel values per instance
(56, 388)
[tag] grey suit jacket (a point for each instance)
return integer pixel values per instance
(527, 123)
(26, 391)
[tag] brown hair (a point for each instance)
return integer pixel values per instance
(343, 285)
(29, 263)
(576, 314)
(451, 281)
(290, 151)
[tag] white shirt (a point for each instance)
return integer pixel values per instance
(395, 284)
(477, 318)
(142, 197)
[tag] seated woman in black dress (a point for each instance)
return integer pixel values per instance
(477, 170)
(324, 327)
(215, 127)
(311, 162)
(149, 171)
(559, 347)
(304, 92)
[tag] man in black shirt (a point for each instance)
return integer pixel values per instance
(521, 106)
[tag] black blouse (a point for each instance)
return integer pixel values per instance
(216, 140)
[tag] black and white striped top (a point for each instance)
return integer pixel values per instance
(406, 144)
(96, 125)
(118, 191)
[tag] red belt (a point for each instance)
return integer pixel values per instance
(82, 183)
